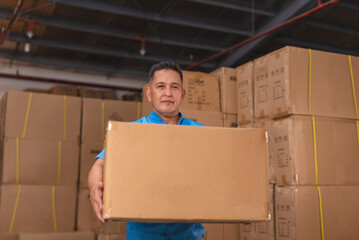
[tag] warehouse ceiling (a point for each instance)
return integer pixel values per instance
(128, 36)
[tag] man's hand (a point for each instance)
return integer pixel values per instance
(96, 194)
(95, 183)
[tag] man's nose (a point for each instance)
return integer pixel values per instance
(168, 91)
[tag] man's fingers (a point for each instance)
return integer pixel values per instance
(100, 185)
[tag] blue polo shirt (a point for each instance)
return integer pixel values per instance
(163, 231)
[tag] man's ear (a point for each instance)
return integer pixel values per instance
(148, 92)
(183, 93)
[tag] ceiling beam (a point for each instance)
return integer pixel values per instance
(287, 12)
(349, 5)
(236, 7)
(153, 16)
(315, 45)
(330, 26)
(112, 32)
(94, 49)
(68, 64)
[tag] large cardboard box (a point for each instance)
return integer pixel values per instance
(89, 151)
(111, 95)
(87, 221)
(96, 113)
(64, 90)
(267, 124)
(200, 174)
(57, 236)
(212, 119)
(260, 230)
(34, 162)
(202, 92)
(36, 208)
(262, 96)
(298, 214)
(227, 87)
(335, 142)
(230, 120)
(303, 81)
(245, 93)
(40, 116)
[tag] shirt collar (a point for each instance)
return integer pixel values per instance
(155, 118)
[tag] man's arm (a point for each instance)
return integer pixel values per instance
(95, 183)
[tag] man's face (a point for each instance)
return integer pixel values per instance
(166, 92)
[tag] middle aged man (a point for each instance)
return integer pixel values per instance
(165, 93)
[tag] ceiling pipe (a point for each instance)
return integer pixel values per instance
(319, 7)
(14, 16)
(61, 81)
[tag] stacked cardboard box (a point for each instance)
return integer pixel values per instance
(39, 162)
(95, 115)
(308, 99)
(228, 95)
(245, 106)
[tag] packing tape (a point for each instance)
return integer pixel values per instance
(315, 151)
(321, 213)
(138, 110)
(353, 86)
(65, 116)
(59, 163)
(310, 83)
(15, 208)
(103, 123)
(354, 95)
(17, 160)
(107, 236)
(27, 115)
(54, 208)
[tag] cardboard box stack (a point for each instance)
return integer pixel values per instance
(95, 115)
(308, 101)
(39, 162)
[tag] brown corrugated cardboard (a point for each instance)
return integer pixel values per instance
(230, 120)
(336, 147)
(202, 92)
(88, 153)
(89, 93)
(87, 221)
(329, 87)
(110, 95)
(298, 212)
(262, 95)
(57, 236)
(227, 87)
(39, 162)
(146, 105)
(200, 174)
(7, 236)
(260, 230)
(212, 119)
(36, 90)
(41, 116)
(111, 237)
(64, 90)
(247, 125)
(267, 124)
(96, 113)
(216, 231)
(245, 101)
(34, 208)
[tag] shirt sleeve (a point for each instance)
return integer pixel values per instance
(101, 155)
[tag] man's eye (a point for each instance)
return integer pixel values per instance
(160, 86)
(176, 87)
